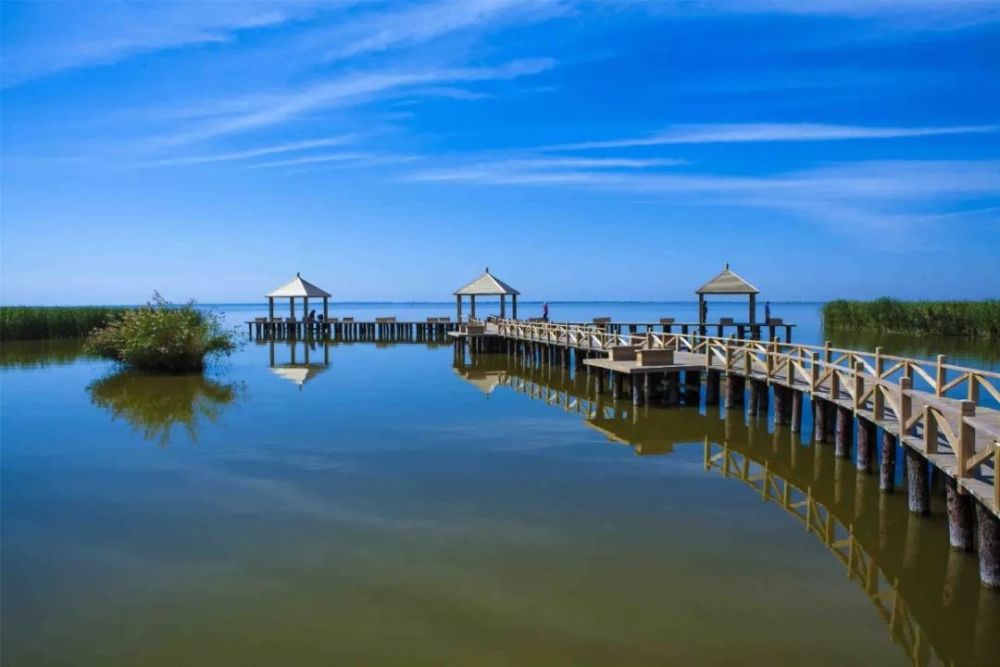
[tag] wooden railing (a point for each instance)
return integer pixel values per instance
(949, 413)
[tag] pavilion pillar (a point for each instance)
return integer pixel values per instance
(305, 313)
(270, 308)
(701, 309)
(753, 308)
(472, 306)
(326, 308)
(458, 308)
(291, 306)
(503, 306)
(513, 306)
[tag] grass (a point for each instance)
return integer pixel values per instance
(161, 336)
(37, 323)
(941, 318)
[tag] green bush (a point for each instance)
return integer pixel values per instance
(943, 318)
(36, 322)
(162, 337)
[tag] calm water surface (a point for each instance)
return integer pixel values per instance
(391, 505)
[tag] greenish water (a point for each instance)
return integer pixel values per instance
(389, 505)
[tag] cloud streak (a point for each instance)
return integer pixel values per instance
(289, 147)
(774, 132)
(348, 90)
(869, 194)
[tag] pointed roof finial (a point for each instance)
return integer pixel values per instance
(727, 266)
(299, 275)
(487, 269)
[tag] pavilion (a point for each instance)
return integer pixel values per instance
(727, 282)
(298, 288)
(487, 285)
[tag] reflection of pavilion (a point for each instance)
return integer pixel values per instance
(929, 598)
(483, 380)
(295, 370)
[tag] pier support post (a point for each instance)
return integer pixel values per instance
(988, 526)
(887, 469)
(819, 420)
(796, 416)
(637, 393)
(692, 387)
(712, 381)
(845, 432)
(616, 385)
(960, 516)
(917, 482)
(734, 391)
(672, 395)
(753, 400)
(866, 445)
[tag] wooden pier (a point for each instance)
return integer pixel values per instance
(380, 329)
(943, 416)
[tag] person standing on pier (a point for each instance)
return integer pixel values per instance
(767, 311)
(545, 311)
(704, 311)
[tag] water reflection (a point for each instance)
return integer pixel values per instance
(155, 404)
(927, 594)
(27, 354)
(305, 359)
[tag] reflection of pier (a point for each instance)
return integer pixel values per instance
(928, 595)
(301, 366)
(941, 417)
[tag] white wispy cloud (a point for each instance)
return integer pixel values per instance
(423, 22)
(869, 194)
(899, 15)
(348, 90)
(354, 159)
(250, 153)
(773, 132)
(54, 37)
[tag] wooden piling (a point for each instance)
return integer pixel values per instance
(845, 432)
(918, 490)
(819, 420)
(988, 527)
(616, 385)
(887, 469)
(866, 445)
(712, 381)
(796, 407)
(734, 391)
(960, 516)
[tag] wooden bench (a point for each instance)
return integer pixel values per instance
(655, 357)
(623, 352)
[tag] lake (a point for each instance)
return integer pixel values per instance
(389, 504)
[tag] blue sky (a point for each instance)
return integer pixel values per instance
(581, 150)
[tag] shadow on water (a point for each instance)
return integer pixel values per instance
(153, 405)
(928, 595)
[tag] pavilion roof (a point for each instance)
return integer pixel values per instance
(486, 284)
(299, 287)
(727, 282)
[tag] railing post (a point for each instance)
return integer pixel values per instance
(966, 439)
(905, 405)
(859, 384)
(729, 356)
(814, 372)
(878, 403)
(827, 352)
(939, 377)
(879, 363)
(930, 431)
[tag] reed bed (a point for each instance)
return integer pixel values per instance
(37, 322)
(941, 318)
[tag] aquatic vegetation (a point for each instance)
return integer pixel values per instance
(154, 404)
(945, 318)
(161, 336)
(39, 322)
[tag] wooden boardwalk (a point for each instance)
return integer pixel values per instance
(941, 414)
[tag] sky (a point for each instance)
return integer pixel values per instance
(582, 151)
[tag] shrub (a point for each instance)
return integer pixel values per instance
(161, 336)
(37, 322)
